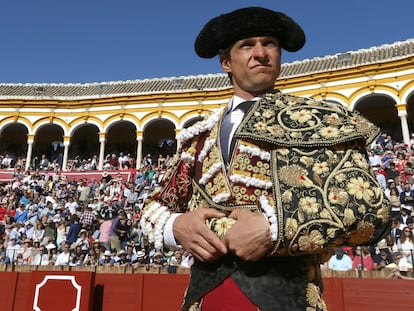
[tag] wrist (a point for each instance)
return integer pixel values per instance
(170, 239)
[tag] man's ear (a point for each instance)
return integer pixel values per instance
(225, 63)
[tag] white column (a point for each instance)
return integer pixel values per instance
(404, 126)
(139, 150)
(30, 140)
(66, 143)
(102, 139)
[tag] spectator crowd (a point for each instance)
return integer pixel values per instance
(46, 219)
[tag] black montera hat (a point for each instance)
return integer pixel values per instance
(223, 30)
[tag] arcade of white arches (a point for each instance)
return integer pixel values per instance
(144, 116)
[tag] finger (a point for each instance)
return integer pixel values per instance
(210, 213)
(235, 213)
(202, 236)
(212, 243)
(208, 247)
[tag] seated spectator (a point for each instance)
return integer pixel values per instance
(3, 210)
(374, 158)
(97, 246)
(60, 230)
(400, 162)
(37, 252)
(362, 259)
(50, 255)
(405, 245)
(407, 173)
(26, 251)
(13, 249)
(107, 259)
(177, 258)
(64, 257)
(44, 163)
(21, 214)
(391, 171)
(7, 161)
(48, 211)
(380, 177)
(71, 206)
(123, 260)
(49, 233)
(405, 214)
(18, 261)
(82, 242)
(33, 215)
(188, 259)
(175, 261)
(407, 192)
(158, 260)
(4, 260)
(92, 258)
(410, 223)
(142, 259)
(383, 258)
(399, 263)
(340, 261)
(395, 233)
(394, 197)
(396, 274)
(28, 229)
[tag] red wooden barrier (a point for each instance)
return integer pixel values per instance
(51, 290)
(118, 292)
(164, 292)
(155, 292)
(8, 284)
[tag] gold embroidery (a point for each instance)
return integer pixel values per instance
(220, 226)
(311, 243)
(314, 298)
(322, 187)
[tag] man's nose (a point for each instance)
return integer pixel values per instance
(259, 50)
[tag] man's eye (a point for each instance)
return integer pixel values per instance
(246, 43)
(270, 43)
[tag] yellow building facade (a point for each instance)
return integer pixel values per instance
(144, 116)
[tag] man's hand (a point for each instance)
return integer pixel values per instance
(191, 231)
(249, 238)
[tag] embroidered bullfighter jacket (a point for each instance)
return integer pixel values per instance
(306, 159)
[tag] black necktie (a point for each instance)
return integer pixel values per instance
(225, 130)
(245, 106)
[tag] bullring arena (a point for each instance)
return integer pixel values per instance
(79, 128)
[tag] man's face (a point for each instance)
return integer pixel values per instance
(254, 64)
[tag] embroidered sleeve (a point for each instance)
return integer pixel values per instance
(172, 196)
(327, 197)
(175, 190)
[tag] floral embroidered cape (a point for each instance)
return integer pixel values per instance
(305, 156)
